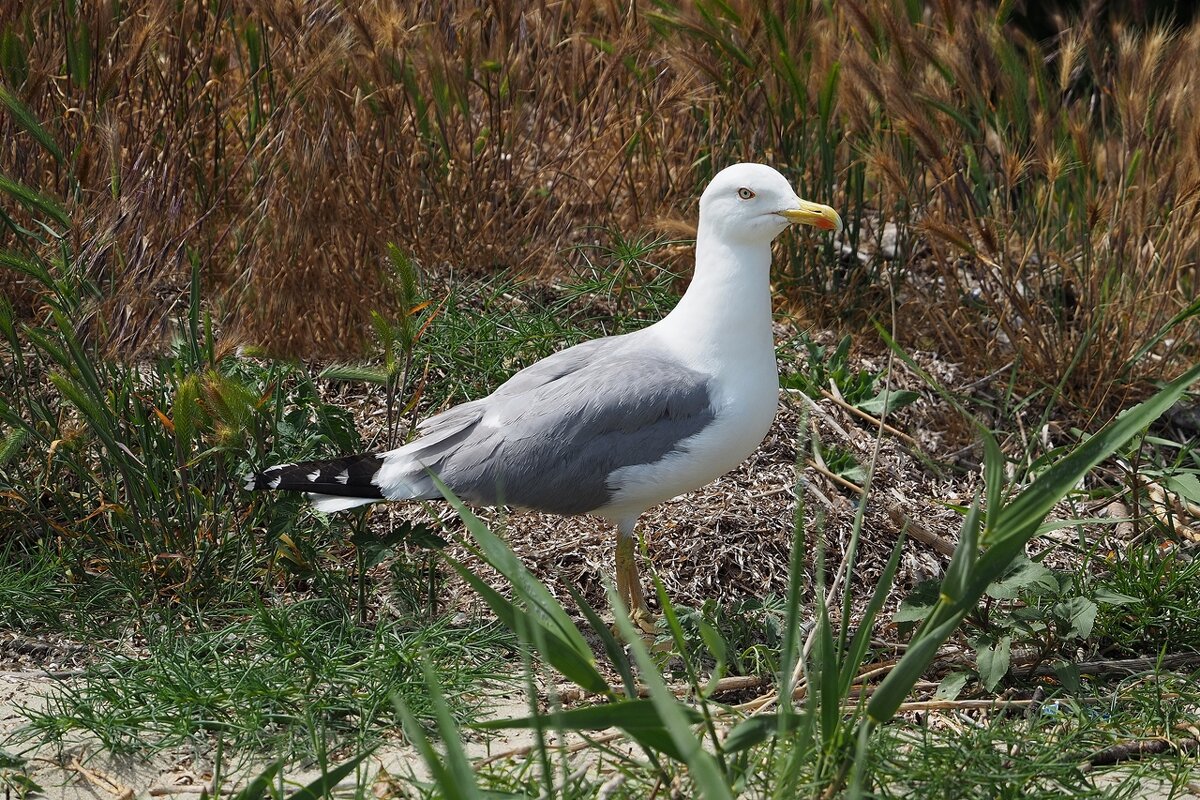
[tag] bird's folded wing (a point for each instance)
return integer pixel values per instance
(550, 437)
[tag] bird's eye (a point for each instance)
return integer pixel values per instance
(745, 193)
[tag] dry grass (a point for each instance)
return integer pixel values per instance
(281, 145)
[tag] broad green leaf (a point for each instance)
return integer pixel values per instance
(1109, 597)
(1078, 615)
(1021, 573)
(887, 401)
(1068, 675)
(951, 686)
(915, 607)
(1185, 484)
(992, 660)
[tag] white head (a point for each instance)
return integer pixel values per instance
(752, 204)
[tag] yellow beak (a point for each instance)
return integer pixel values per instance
(814, 214)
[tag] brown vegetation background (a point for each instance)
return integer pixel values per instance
(1030, 202)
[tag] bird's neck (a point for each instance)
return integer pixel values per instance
(726, 310)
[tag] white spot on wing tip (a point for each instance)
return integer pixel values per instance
(249, 481)
(342, 477)
(312, 476)
(275, 481)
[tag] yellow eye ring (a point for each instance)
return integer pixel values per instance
(745, 193)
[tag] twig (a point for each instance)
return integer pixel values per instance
(962, 705)
(103, 781)
(1121, 665)
(1126, 751)
(875, 421)
(919, 532)
(187, 788)
(572, 748)
(836, 479)
(571, 694)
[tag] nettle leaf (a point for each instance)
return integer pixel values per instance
(951, 686)
(1068, 675)
(992, 659)
(1078, 615)
(917, 605)
(1186, 485)
(886, 402)
(1021, 574)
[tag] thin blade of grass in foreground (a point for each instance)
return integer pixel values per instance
(452, 772)
(703, 766)
(1009, 529)
(325, 783)
(565, 658)
(25, 118)
(493, 549)
(640, 719)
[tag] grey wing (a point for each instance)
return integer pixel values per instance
(550, 437)
(441, 427)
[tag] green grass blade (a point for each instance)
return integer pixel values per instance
(34, 200)
(451, 772)
(1192, 310)
(703, 766)
(258, 786)
(24, 117)
(326, 781)
(896, 686)
(1017, 522)
(612, 648)
(353, 373)
(861, 640)
(993, 477)
(628, 715)
(33, 269)
(500, 556)
(581, 670)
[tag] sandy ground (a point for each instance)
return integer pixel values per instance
(80, 769)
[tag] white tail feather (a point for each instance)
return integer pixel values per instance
(329, 504)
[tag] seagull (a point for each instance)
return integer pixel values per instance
(612, 426)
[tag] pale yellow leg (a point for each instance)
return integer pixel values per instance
(629, 583)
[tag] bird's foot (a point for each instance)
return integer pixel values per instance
(645, 621)
(646, 628)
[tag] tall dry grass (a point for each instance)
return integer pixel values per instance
(1031, 202)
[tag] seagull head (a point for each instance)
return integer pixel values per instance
(753, 203)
